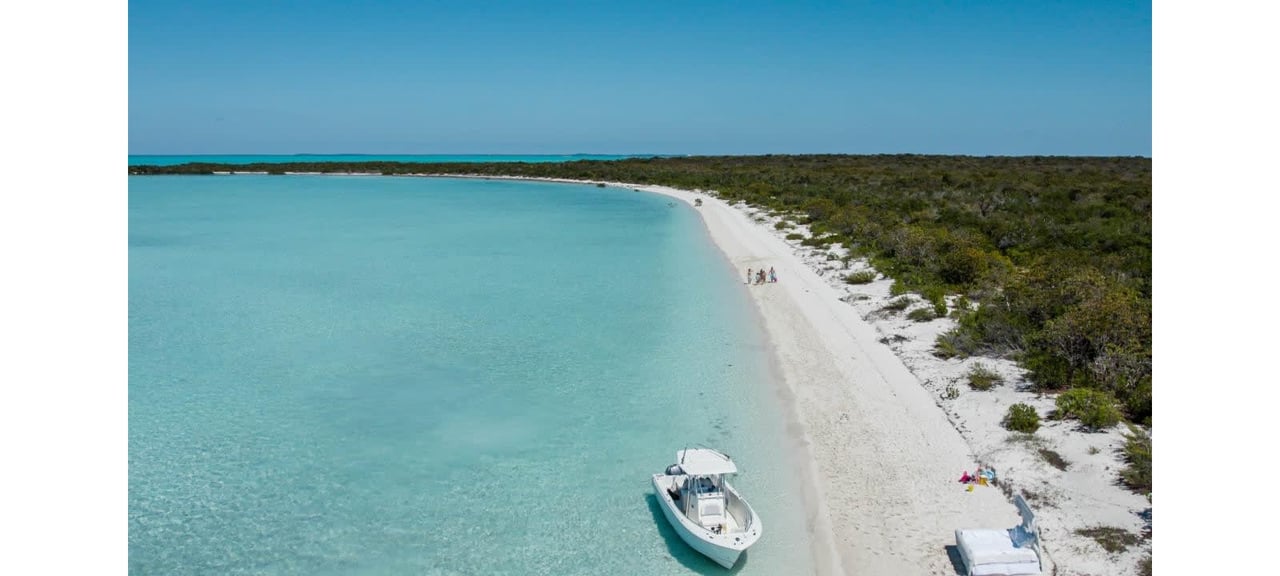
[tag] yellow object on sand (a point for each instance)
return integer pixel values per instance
(969, 489)
(982, 480)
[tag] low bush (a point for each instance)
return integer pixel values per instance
(1095, 409)
(983, 378)
(922, 314)
(1022, 418)
(897, 305)
(1054, 459)
(781, 225)
(795, 236)
(1111, 539)
(863, 277)
(950, 344)
(818, 241)
(1137, 453)
(936, 295)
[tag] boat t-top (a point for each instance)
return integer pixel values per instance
(705, 510)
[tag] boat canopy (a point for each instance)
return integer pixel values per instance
(704, 462)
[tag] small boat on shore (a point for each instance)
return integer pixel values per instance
(704, 509)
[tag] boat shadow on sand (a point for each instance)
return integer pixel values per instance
(686, 556)
(957, 562)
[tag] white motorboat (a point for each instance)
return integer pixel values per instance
(707, 512)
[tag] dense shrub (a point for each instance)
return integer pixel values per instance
(1022, 418)
(863, 277)
(795, 236)
(956, 343)
(1095, 409)
(1137, 454)
(946, 345)
(982, 378)
(781, 225)
(1138, 405)
(936, 295)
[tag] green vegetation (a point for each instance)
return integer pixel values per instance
(818, 241)
(1111, 539)
(1022, 418)
(897, 304)
(922, 314)
(949, 345)
(795, 236)
(1137, 453)
(1055, 252)
(1053, 458)
(1096, 409)
(863, 277)
(983, 378)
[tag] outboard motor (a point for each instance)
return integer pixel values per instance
(674, 470)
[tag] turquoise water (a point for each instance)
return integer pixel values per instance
(367, 375)
(167, 160)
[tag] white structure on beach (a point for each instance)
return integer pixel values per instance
(1012, 552)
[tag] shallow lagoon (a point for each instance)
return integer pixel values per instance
(379, 375)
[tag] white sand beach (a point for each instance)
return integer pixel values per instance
(886, 445)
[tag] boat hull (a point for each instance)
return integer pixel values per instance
(723, 549)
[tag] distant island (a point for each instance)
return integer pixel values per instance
(1049, 258)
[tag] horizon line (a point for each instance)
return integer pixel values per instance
(656, 154)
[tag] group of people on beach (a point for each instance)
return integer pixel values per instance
(761, 277)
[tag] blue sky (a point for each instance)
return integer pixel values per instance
(705, 77)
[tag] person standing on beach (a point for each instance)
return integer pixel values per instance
(748, 275)
(773, 277)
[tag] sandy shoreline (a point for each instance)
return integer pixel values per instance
(885, 429)
(884, 459)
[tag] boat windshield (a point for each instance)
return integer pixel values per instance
(705, 485)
